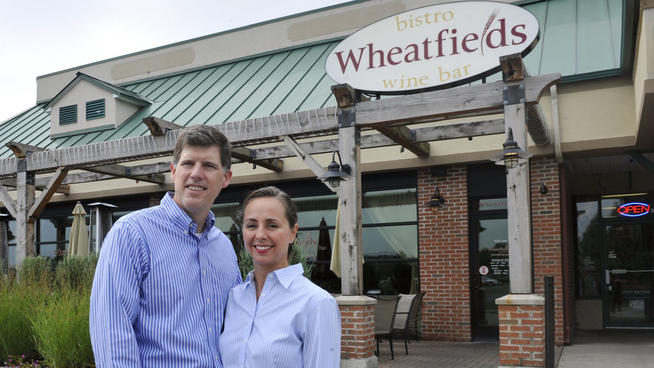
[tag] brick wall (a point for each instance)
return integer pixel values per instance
(546, 234)
(522, 335)
(357, 329)
(444, 256)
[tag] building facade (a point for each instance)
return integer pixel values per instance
(435, 224)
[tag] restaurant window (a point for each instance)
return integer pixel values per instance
(225, 214)
(389, 236)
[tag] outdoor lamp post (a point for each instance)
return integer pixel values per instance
(336, 171)
(511, 153)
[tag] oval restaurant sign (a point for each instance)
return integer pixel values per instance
(634, 209)
(435, 46)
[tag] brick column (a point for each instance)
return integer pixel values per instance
(444, 255)
(357, 331)
(522, 330)
(546, 234)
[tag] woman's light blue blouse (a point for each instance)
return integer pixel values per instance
(294, 324)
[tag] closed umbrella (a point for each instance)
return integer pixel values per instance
(79, 236)
(323, 258)
(335, 264)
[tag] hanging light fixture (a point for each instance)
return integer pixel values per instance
(336, 171)
(437, 199)
(511, 153)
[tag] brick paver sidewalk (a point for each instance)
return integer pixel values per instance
(432, 354)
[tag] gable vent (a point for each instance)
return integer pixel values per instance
(95, 109)
(68, 114)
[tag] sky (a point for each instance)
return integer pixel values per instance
(39, 37)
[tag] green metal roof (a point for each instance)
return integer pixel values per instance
(578, 38)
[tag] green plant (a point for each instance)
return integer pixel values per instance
(297, 256)
(17, 305)
(76, 272)
(245, 264)
(37, 272)
(61, 330)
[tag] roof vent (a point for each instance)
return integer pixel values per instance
(95, 109)
(68, 114)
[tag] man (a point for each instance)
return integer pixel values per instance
(164, 273)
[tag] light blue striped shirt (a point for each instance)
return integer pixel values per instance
(295, 324)
(160, 290)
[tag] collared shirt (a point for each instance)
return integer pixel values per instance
(160, 290)
(294, 324)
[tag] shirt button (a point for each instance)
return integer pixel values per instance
(204, 273)
(208, 300)
(209, 329)
(185, 232)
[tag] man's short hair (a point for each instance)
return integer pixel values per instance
(204, 136)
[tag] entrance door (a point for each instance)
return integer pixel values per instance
(629, 275)
(489, 274)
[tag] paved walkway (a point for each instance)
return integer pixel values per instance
(423, 354)
(589, 349)
(610, 349)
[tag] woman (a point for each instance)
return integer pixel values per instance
(277, 317)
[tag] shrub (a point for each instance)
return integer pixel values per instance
(17, 306)
(37, 272)
(76, 272)
(61, 329)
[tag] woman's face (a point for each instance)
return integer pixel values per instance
(267, 233)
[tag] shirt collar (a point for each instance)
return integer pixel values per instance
(285, 276)
(181, 218)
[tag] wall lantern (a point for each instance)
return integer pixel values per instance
(336, 171)
(511, 153)
(437, 199)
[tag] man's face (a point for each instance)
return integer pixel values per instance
(199, 177)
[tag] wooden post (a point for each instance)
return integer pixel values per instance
(518, 203)
(24, 227)
(4, 244)
(349, 200)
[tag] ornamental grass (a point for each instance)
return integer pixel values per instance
(44, 313)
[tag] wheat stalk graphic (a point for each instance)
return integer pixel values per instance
(491, 18)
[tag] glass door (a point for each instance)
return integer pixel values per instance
(629, 275)
(489, 273)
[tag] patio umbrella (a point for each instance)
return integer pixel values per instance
(335, 265)
(324, 255)
(235, 238)
(79, 236)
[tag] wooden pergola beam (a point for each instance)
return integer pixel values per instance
(9, 203)
(455, 102)
(40, 184)
(21, 150)
(44, 197)
(406, 138)
(426, 134)
(126, 172)
(159, 127)
(248, 155)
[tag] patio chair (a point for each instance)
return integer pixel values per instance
(401, 322)
(415, 313)
(384, 316)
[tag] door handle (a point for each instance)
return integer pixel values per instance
(608, 277)
(621, 271)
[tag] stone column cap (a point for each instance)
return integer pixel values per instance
(354, 300)
(520, 299)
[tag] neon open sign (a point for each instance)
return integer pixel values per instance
(634, 209)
